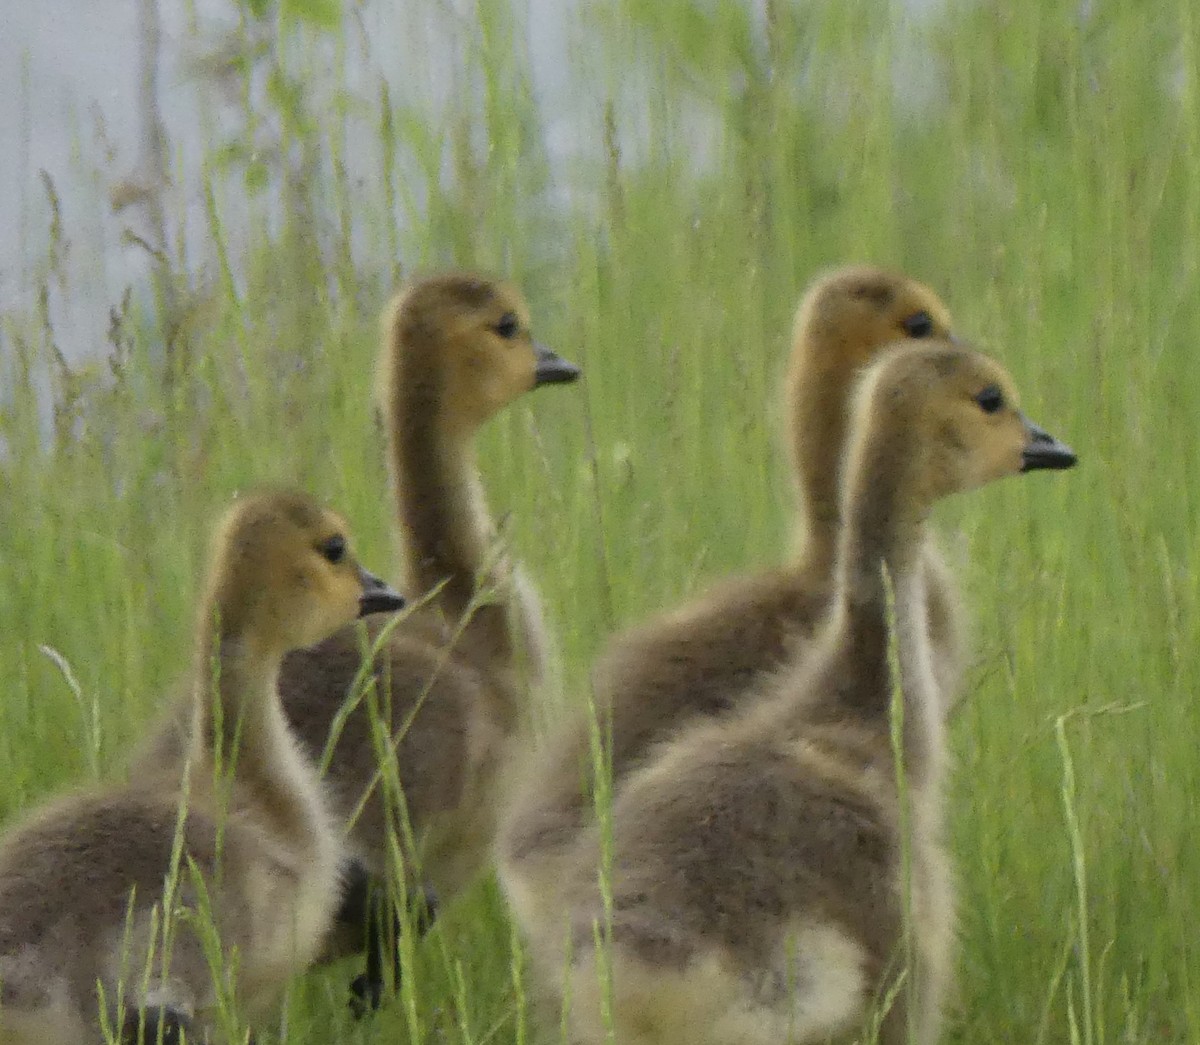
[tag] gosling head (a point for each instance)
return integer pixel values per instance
(473, 336)
(852, 312)
(845, 319)
(954, 416)
(285, 575)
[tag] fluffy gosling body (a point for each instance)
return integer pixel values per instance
(701, 660)
(758, 880)
(82, 880)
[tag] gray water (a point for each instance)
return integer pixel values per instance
(70, 79)
(70, 75)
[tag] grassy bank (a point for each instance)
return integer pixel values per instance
(1036, 161)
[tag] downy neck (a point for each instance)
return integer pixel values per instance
(882, 548)
(817, 408)
(448, 536)
(240, 736)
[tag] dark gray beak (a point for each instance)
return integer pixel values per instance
(377, 596)
(551, 368)
(1044, 451)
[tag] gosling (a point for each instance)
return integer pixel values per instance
(103, 893)
(770, 881)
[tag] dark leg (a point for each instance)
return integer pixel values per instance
(366, 905)
(356, 895)
(153, 1026)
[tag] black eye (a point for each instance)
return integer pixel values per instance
(508, 325)
(919, 324)
(990, 399)
(334, 549)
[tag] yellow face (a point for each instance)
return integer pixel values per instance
(965, 409)
(976, 415)
(493, 356)
(476, 333)
(286, 573)
(323, 578)
(849, 315)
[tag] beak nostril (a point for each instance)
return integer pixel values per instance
(551, 368)
(377, 595)
(1043, 450)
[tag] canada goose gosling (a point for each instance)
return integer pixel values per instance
(239, 721)
(757, 891)
(81, 881)
(457, 349)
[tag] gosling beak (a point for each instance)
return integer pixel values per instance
(377, 596)
(551, 368)
(1043, 450)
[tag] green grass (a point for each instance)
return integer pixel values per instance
(1048, 188)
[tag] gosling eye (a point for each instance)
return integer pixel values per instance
(333, 549)
(508, 326)
(919, 324)
(990, 399)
